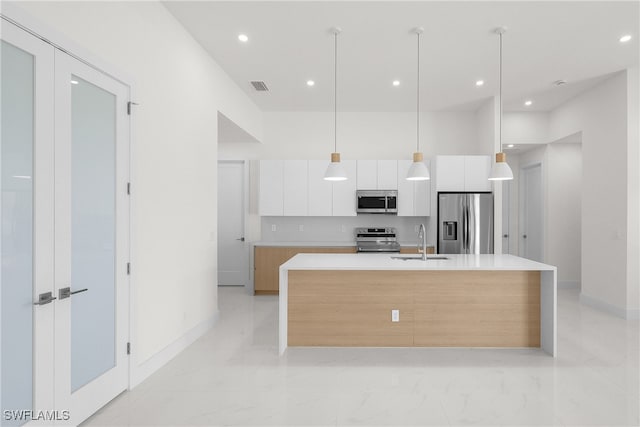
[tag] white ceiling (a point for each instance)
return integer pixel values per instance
(290, 43)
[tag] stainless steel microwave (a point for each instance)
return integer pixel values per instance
(377, 202)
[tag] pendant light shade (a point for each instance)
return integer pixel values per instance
(418, 171)
(500, 171)
(335, 170)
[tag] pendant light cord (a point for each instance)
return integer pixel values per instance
(335, 94)
(500, 95)
(418, 100)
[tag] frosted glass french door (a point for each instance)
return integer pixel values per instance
(91, 243)
(27, 227)
(64, 243)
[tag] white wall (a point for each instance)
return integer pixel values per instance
(633, 190)
(525, 128)
(601, 114)
(180, 89)
(564, 210)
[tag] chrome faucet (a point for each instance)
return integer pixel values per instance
(422, 232)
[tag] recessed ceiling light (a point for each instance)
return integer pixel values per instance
(509, 145)
(396, 83)
(528, 103)
(625, 38)
(74, 82)
(310, 83)
(243, 38)
(480, 83)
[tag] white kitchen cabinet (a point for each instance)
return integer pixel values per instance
(295, 190)
(414, 197)
(320, 198)
(344, 192)
(463, 173)
(450, 173)
(367, 175)
(476, 173)
(377, 175)
(405, 190)
(270, 201)
(387, 174)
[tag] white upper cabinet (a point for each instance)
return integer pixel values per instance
(367, 175)
(476, 173)
(344, 192)
(450, 173)
(387, 174)
(463, 173)
(320, 198)
(406, 201)
(295, 188)
(414, 197)
(271, 200)
(377, 175)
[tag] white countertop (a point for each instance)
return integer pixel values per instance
(385, 262)
(321, 244)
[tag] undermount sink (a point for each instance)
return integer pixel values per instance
(418, 258)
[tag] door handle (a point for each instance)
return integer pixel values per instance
(505, 235)
(45, 298)
(65, 293)
(241, 239)
(524, 236)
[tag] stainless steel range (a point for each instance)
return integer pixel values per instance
(377, 240)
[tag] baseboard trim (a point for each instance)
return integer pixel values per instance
(629, 314)
(148, 367)
(568, 284)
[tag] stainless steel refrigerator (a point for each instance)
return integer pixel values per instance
(465, 223)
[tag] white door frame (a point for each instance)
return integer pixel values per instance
(521, 199)
(245, 214)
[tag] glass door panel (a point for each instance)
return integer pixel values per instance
(93, 170)
(92, 237)
(26, 226)
(17, 229)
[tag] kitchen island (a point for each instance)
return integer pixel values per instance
(374, 300)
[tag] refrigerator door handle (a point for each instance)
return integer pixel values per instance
(465, 229)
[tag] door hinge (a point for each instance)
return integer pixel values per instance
(128, 268)
(128, 348)
(129, 104)
(129, 188)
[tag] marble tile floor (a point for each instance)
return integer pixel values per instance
(233, 376)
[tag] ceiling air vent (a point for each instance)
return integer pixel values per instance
(260, 86)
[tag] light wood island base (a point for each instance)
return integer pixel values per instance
(497, 301)
(437, 308)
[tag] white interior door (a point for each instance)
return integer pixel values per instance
(233, 258)
(531, 235)
(27, 233)
(92, 237)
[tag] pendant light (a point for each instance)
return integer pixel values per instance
(335, 171)
(500, 170)
(418, 170)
